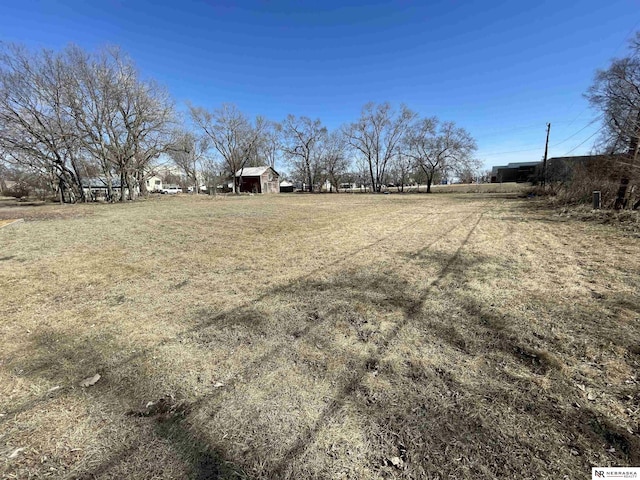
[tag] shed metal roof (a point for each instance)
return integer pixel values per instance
(253, 171)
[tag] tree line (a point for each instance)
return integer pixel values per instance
(69, 116)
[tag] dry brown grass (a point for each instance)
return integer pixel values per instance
(317, 336)
(506, 187)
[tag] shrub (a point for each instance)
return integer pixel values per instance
(18, 190)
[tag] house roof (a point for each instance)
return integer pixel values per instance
(253, 171)
(522, 164)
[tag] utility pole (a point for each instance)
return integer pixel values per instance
(544, 162)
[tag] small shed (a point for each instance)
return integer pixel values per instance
(258, 180)
(286, 187)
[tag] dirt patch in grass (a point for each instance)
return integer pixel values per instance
(4, 223)
(328, 336)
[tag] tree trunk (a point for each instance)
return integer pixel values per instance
(234, 188)
(122, 185)
(429, 180)
(196, 183)
(373, 178)
(131, 187)
(142, 181)
(110, 188)
(621, 198)
(78, 182)
(309, 178)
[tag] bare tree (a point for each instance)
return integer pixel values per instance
(440, 148)
(151, 132)
(121, 121)
(35, 128)
(401, 167)
(232, 134)
(377, 135)
(62, 111)
(270, 144)
(301, 144)
(616, 93)
(468, 174)
(333, 156)
(3, 174)
(362, 174)
(212, 174)
(187, 152)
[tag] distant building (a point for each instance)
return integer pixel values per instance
(154, 184)
(515, 172)
(258, 180)
(559, 169)
(286, 187)
(96, 187)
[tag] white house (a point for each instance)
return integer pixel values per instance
(154, 183)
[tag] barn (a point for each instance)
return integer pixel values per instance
(258, 180)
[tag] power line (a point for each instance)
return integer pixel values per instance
(627, 37)
(576, 133)
(512, 151)
(515, 129)
(591, 122)
(502, 132)
(579, 115)
(584, 141)
(537, 147)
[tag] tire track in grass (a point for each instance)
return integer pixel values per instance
(355, 380)
(224, 314)
(254, 365)
(139, 353)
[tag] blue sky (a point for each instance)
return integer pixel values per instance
(501, 69)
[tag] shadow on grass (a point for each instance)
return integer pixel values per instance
(203, 461)
(411, 310)
(432, 417)
(572, 432)
(378, 293)
(65, 359)
(447, 426)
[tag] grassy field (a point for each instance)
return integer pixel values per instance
(317, 336)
